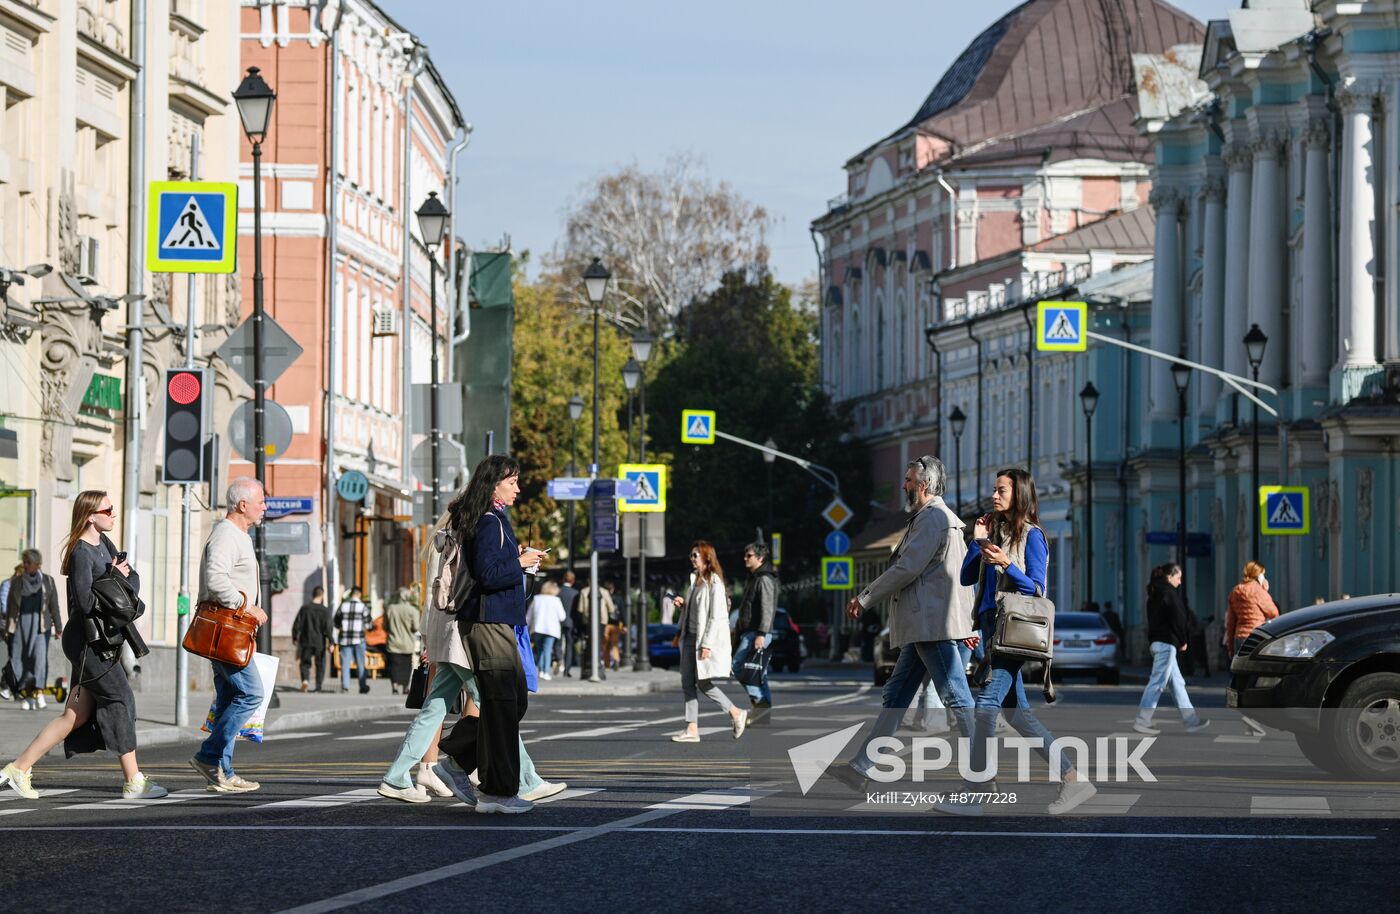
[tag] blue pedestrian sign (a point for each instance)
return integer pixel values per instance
(837, 543)
(648, 482)
(282, 507)
(569, 488)
(1283, 510)
(192, 227)
(1061, 326)
(698, 426)
(838, 573)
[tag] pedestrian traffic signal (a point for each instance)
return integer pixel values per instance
(184, 426)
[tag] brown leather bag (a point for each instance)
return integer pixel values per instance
(222, 633)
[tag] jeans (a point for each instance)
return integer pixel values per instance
(544, 657)
(1006, 690)
(237, 694)
(1165, 673)
(944, 663)
(357, 652)
(760, 692)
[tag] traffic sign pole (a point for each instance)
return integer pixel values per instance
(182, 618)
(260, 403)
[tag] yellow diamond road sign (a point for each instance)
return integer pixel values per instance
(837, 513)
(1061, 326)
(698, 426)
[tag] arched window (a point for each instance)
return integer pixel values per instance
(881, 344)
(902, 306)
(856, 353)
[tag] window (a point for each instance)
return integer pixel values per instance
(880, 341)
(902, 306)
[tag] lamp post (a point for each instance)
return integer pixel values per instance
(1089, 401)
(631, 375)
(595, 281)
(641, 352)
(768, 458)
(1255, 341)
(254, 99)
(575, 411)
(1181, 376)
(957, 421)
(432, 223)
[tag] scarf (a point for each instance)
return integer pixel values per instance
(30, 584)
(497, 505)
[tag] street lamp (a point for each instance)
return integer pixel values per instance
(1255, 341)
(1089, 401)
(1181, 376)
(575, 411)
(631, 376)
(595, 281)
(957, 421)
(254, 99)
(641, 353)
(432, 223)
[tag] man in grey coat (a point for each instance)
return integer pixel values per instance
(930, 610)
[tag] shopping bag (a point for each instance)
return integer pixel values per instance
(252, 729)
(417, 688)
(755, 667)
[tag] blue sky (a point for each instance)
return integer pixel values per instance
(772, 95)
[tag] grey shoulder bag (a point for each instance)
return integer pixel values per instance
(1025, 629)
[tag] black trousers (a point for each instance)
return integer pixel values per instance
(307, 659)
(491, 743)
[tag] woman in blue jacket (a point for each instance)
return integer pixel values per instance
(1009, 553)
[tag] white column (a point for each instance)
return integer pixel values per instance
(1166, 301)
(1357, 343)
(1212, 292)
(1268, 256)
(1314, 324)
(1235, 326)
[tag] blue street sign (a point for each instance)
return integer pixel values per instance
(838, 573)
(647, 482)
(569, 488)
(604, 527)
(193, 227)
(1284, 510)
(282, 507)
(697, 426)
(352, 485)
(1060, 326)
(837, 543)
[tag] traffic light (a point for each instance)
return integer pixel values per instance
(184, 425)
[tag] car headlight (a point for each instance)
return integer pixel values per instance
(1297, 646)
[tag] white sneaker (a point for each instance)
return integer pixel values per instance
(26, 705)
(1146, 730)
(546, 790)
(142, 788)
(18, 781)
(414, 794)
(685, 736)
(6, 694)
(739, 723)
(1072, 793)
(546, 677)
(1198, 726)
(431, 783)
(40, 699)
(486, 803)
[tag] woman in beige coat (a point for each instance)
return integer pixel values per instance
(704, 643)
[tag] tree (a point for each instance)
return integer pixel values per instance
(668, 237)
(750, 353)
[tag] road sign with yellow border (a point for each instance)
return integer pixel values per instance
(1283, 510)
(192, 227)
(650, 479)
(838, 573)
(1061, 326)
(698, 426)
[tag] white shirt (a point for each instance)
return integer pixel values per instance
(545, 615)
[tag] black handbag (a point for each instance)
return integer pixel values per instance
(417, 688)
(755, 666)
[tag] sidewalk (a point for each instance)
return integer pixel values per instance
(155, 708)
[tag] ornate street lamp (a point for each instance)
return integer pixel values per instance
(595, 281)
(432, 223)
(1089, 401)
(1181, 376)
(1255, 342)
(957, 421)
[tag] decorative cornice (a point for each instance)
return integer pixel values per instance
(1165, 200)
(1213, 190)
(1269, 144)
(1357, 96)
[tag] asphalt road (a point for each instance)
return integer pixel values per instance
(653, 825)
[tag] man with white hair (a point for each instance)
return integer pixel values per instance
(930, 610)
(228, 576)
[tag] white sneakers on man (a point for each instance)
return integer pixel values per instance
(546, 790)
(413, 794)
(1072, 793)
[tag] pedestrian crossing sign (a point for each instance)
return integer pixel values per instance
(1283, 510)
(1061, 326)
(838, 573)
(192, 227)
(698, 426)
(650, 480)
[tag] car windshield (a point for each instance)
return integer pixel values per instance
(1079, 620)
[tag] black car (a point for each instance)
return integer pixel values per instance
(1329, 674)
(661, 646)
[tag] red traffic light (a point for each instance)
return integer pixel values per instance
(183, 388)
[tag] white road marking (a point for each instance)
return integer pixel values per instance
(1289, 806)
(599, 710)
(1107, 803)
(570, 793)
(283, 737)
(1240, 738)
(843, 698)
(12, 811)
(43, 794)
(710, 799)
(388, 734)
(328, 801)
(179, 796)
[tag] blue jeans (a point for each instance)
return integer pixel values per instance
(544, 657)
(237, 694)
(448, 680)
(760, 692)
(1165, 672)
(943, 662)
(357, 652)
(1006, 690)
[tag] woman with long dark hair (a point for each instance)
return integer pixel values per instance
(1168, 631)
(704, 637)
(101, 710)
(1009, 553)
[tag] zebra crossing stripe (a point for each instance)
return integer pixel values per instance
(43, 794)
(713, 799)
(179, 796)
(1289, 806)
(327, 801)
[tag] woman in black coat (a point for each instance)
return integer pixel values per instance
(1168, 630)
(101, 711)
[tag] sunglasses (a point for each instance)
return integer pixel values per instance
(110, 511)
(695, 555)
(750, 555)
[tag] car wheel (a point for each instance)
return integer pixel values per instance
(1108, 677)
(1367, 726)
(1321, 750)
